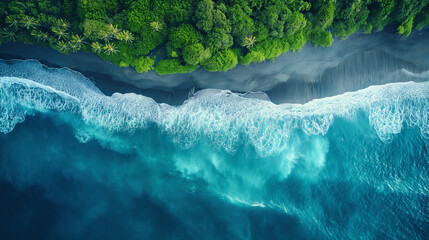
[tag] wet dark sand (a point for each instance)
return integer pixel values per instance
(348, 65)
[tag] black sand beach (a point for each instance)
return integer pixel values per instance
(297, 77)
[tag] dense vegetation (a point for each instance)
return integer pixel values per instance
(215, 35)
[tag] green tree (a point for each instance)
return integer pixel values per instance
(105, 35)
(271, 47)
(407, 9)
(184, 35)
(194, 54)
(110, 48)
(204, 15)
(97, 47)
(381, 12)
(252, 56)
(274, 17)
(29, 22)
(13, 22)
(249, 42)
(422, 18)
(321, 38)
(8, 34)
(324, 12)
(40, 35)
(143, 64)
(219, 40)
(156, 26)
(112, 30)
(60, 32)
(170, 66)
(73, 46)
(139, 16)
(405, 27)
(242, 23)
(77, 41)
(92, 29)
(220, 61)
(295, 41)
(97, 9)
(61, 23)
(220, 21)
(63, 46)
(220, 35)
(295, 22)
(125, 36)
(349, 17)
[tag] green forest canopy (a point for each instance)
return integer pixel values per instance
(215, 35)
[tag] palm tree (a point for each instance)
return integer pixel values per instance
(110, 48)
(8, 34)
(13, 22)
(39, 35)
(113, 30)
(249, 41)
(29, 22)
(63, 46)
(96, 47)
(78, 40)
(44, 36)
(126, 36)
(74, 47)
(63, 23)
(106, 36)
(60, 32)
(156, 26)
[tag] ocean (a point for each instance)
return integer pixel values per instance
(76, 163)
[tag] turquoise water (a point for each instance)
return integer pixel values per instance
(77, 164)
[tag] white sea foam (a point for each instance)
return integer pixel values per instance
(224, 117)
(20, 97)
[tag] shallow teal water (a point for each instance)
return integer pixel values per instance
(76, 164)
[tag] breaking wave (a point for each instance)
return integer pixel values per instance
(221, 157)
(224, 117)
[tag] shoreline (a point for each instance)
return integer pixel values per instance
(108, 85)
(298, 77)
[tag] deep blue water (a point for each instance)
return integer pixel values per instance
(77, 164)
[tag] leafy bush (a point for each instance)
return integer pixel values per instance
(170, 66)
(221, 61)
(143, 64)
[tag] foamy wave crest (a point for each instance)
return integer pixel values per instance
(20, 97)
(116, 113)
(225, 118)
(388, 107)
